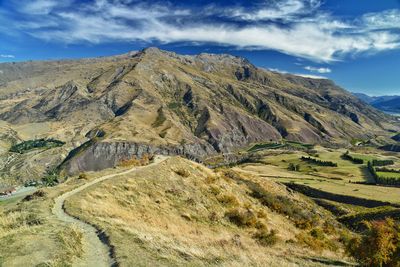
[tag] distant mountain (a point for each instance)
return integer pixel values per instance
(385, 103)
(366, 98)
(391, 105)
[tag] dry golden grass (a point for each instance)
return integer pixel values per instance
(13, 222)
(134, 161)
(160, 218)
(71, 240)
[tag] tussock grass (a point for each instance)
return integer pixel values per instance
(266, 238)
(12, 222)
(182, 172)
(71, 240)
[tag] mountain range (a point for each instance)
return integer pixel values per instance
(110, 109)
(389, 104)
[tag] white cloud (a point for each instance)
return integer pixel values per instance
(319, 70)
(40, 7)
(297, 74)
(277, 70)
(7, 56)
(294, 27)
(389, 19)
(272, 10)
(311, 76)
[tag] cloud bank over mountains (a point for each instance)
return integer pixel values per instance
(295, 27)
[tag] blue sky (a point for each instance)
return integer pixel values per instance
(354, 42)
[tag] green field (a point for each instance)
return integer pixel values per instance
(265, 146)
(346, 179)
(389, 174)
(284, 144)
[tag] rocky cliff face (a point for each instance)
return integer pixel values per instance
(104, 155)
(161, 102)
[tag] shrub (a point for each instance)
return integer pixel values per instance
(379, 246)
(260, 225)
(242, 217)
(262, 214)
(50, 179)
(266, 238)
(83, 176)
(328, 228)
(316, 240)
(317, 233)
(182, 172)
(293, 167)
(228, 200)
(32, 219)
(307, 240)
(36, 195)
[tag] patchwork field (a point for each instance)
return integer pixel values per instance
(345, 179)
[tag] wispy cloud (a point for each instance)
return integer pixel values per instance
(319, 70)
(387, 20)
(318, 77)
(7, 56)
(273, 10)
(310, 76)
(41, 7)
(294, 27)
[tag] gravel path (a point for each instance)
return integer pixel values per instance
(97, 252)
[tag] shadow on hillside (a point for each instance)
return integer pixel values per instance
(367, 175)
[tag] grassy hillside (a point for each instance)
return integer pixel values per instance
(180, 213)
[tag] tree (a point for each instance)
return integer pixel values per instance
(293, 167)
(380, 244)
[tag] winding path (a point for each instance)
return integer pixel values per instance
(96, 251)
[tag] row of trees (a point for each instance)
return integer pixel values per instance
(319, 162)
(38, 143)
(347, 156)
(381, 179)
(379, 162)
(384, 169)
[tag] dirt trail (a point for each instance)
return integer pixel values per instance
(97, 253)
